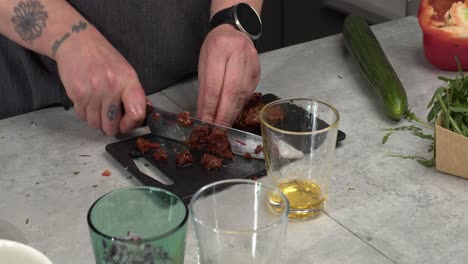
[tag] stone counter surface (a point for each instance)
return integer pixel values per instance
(380, 210)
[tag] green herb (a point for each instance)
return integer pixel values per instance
(410, 116)
(450, 101)
(417, 131)
(430, 148)
(76, 172)
(419, 159)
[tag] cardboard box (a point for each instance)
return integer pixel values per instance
(451, 151)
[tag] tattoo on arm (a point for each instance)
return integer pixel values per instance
(75, 29)
(113, 112)
(29, 19)
(59, 42)
(79, 27)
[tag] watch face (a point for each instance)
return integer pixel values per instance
(248, 19)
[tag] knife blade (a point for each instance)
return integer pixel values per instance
(164, 124)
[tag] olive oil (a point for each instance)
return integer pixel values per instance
(305, 197)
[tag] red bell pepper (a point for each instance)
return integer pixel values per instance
(444, 24)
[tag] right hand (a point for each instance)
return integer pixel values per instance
(99, 81)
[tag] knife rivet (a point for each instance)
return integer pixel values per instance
(135, 154)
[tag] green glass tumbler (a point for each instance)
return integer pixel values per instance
(138, 225)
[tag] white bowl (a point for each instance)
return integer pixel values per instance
(16, 253)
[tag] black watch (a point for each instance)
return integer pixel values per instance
(242, 16)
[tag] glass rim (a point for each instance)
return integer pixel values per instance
(238, 181)
(320, 131)
(149, 239)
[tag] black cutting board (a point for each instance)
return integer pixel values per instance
(187, 180)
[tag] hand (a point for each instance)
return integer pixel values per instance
(100, 81)
(228, 73)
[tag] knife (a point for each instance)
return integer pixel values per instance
(164, 124)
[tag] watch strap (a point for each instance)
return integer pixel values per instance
(225, 16)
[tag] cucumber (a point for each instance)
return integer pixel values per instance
(374, 65)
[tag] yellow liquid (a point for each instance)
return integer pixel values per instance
(305, 198)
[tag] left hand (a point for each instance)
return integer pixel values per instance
(228, 73)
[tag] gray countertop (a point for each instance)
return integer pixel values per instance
(380, 210)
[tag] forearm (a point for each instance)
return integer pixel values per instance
(40, 25)
(217, 5)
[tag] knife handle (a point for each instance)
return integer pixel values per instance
(149, 110)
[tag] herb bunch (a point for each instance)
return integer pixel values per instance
(450, 101)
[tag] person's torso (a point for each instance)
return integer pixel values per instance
(161, 39)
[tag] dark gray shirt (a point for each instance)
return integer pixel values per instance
(161, 39)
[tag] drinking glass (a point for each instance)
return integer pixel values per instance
(236, 222)
(138, 225)
(299, 140)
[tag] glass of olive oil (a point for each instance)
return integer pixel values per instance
(299, 140)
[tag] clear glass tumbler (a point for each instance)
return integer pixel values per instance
(299, 140)
(138, 225)
(236, 222)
